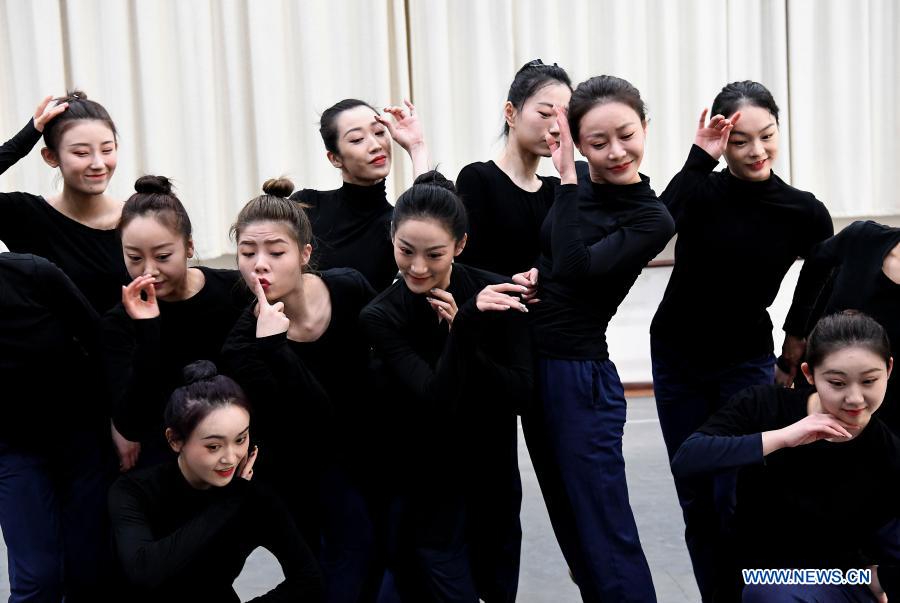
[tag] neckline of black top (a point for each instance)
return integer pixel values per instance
(373, 196)
(76, 223)
(539, 191)
(604, 191)
(198, 297)
(751, 187)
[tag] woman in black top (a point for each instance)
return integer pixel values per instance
(818, 473)
(300, 355)
(352, 223)
(53, 474)
(183, 530)
(604, 226)
(863, 261)
(170, 315)
(739, 231)
(459, 364)
(76, 228)
(506, 201)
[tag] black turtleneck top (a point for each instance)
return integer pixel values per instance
(594, 243)
(144, 359)
(855, 257)
(92, 258)
(352, 229)
(504, 220)
(785, 499)
(49, 355)
(736, 241)
(442, 383)
(180, 544)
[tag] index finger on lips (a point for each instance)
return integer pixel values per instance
(259, 291)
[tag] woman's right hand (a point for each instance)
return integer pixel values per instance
(529, 280)
(563, 150)
(46, 111)
(713, 137)
(809, 429)
(126, 450)
(136, 306)
(496, 297)
(270, 318)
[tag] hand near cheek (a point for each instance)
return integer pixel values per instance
(135, 305)
(444, 305)
(245, 468)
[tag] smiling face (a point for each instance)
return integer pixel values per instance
(86, 156)
(851, 383)
(424, 250)
(364, 147)
(211, 454)
(151, 247)
(529, 125)
(268, 251)
(753, 144)
(611, 138)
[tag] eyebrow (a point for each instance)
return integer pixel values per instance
(154, 247)
(87, 144)
(742, 133)
(221, 437)
(432, 248)
(628, 124)
(359, 128)
(840, 372)
(266, 241)
(551, 105)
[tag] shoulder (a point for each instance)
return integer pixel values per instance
(139, 485)
(347, 281)
(477, 277)
(478, 169)
(386, 307)
(20, 199)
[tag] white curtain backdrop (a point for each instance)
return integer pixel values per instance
(221, 94)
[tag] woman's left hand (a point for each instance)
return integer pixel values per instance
(405, 128)
(444, 305)
(563, 150)
(245, 468)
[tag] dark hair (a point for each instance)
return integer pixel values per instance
(432, 197)
(79, 108)
(737, 94)
(328, 121)
(204, 391)
(600, 90)
(846, 329)
(274, 205)
(154, 197)
(533, 76)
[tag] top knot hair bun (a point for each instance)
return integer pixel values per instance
(435, 178)
(278, 187)
(153, 185)
(199, 370)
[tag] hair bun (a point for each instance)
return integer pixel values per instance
(279, 187)
(153, 185)
(198, 371)
(435, 178)
(76, 95)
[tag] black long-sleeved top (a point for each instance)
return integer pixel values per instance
(855, 257)
(178, 543)
(91, 257)
(594, 243)
(736, 241)
(49, 353)
(144, 359)
(813, 506)
(442, 381)
(504, 220)
(311, 395)
(352, 229)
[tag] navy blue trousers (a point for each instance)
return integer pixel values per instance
(574, 435)
(686, 396)
(54, 520)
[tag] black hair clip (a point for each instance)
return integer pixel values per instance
(536, 63)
